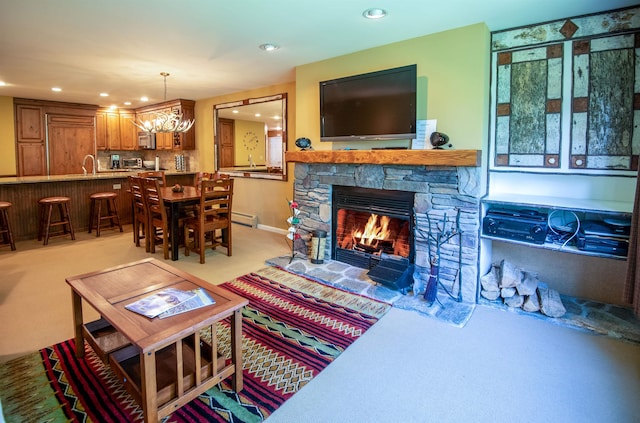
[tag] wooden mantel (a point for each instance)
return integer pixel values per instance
(386, 157)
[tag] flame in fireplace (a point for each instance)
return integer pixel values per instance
(372, 231)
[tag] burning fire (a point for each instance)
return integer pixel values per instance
(372, 231)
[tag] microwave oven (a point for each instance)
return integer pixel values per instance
(147, 140)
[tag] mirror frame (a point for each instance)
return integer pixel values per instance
(247, 173)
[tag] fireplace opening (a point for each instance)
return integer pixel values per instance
(371, 225)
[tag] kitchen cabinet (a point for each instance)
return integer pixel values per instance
(32, 160)
(128, 131)
(30, 124)
(164, 140)
(30, 140)
(52, 136)
(114, 130)
(107, 131)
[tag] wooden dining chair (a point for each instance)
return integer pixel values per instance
(156, 214)
(207, 176)
(155, 174)
(214, 212)
(138, 210)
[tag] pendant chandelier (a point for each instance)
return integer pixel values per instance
(164, 122)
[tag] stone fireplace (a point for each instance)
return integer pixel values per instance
(442, 197)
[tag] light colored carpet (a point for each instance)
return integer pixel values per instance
(500, 367)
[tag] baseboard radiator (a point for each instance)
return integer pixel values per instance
(244, 219)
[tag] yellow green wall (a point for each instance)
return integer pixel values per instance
(453, 83)
(265, 198)
(7, 138)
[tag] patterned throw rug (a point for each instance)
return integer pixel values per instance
(292, 329)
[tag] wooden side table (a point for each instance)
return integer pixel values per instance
(137, 347)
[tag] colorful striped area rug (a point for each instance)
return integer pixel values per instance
(293, 328)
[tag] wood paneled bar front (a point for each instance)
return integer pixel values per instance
(24, 193)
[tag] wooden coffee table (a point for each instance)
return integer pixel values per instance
(163, 363)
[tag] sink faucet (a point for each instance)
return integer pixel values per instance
(93, 161)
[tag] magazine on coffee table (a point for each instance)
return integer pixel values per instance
(153, 305)
(200, 299)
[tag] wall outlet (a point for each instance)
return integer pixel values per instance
(117, 186)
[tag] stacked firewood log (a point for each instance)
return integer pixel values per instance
(519, 288)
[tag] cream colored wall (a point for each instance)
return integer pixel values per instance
(265, 198)
(8, 165)
(453, 83)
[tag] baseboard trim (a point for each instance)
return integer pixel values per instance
(272, 229)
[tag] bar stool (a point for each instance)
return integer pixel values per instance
(5, 228)
(97, 198)
(45, 223)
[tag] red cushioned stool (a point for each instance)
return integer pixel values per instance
(95, 213)
(5, 227)
(45, 224)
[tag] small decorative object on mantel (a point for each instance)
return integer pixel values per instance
(293, 233)
(304, 144)
(439, 139)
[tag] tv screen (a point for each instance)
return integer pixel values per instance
(373, 106)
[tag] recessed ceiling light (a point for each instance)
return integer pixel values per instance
(113, 107)
(2, 83)
(374, 13)
(56, 89)
(144, 98)
(269, 47)
(104, 94)
(235, 111)
(127, 103)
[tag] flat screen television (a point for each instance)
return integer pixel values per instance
(372, 106)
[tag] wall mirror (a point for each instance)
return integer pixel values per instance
(251, 137)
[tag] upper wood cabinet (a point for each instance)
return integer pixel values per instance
(114, 130)
(29, 124)
(128, 131)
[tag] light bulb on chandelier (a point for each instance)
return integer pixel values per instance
(164, 122)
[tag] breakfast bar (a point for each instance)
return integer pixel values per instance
(24, 193)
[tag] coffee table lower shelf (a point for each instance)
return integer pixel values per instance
(172, 391)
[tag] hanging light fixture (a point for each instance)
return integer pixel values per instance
(165, 122)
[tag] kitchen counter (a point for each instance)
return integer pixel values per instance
(110, 174)
(24, 193)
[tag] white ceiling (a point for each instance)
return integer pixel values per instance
(210, 47)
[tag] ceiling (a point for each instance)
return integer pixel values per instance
(210, 47)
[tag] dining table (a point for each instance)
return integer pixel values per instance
(176, 200)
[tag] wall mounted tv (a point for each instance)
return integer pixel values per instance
(372, 106)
